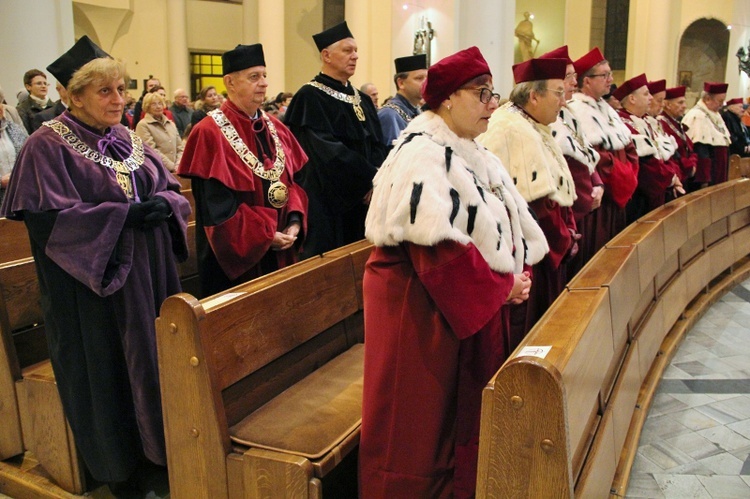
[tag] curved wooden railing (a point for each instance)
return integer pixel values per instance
(563, 416)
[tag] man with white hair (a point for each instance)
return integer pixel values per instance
(709, 135)
(339, 130)
(181, 110)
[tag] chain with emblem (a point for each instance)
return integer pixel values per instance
(278, 193)
(355, 100)
(398, 110)
(676, 129)
(718, 126)
(122, 169)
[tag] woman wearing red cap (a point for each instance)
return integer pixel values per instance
(453, 240)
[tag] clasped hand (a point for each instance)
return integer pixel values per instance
(148, 214)
(521, 288)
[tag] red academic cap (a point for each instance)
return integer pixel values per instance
(630, 86)
(558, 53)
(675, 92)
(539, 69)
(736, 100)
(715, 87)
(654, 87)
(588, 61)
(448, 74)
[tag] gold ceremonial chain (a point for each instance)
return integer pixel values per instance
(354, 100)
(278, 193)
(398, 110)
(572, 131)
(122, 168)
(716, 125)
(496, 190)
(675, 129)
(546, 138)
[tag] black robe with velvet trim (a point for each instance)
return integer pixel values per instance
(344, 155)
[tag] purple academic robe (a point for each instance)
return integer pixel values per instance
(101, 286)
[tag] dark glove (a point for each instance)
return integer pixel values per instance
(157, 214)
(147, 214)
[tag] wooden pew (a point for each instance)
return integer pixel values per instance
(14, 241)
(31, 410)
(30, 407)
(735, 167)
(262, 384)
(563, 415)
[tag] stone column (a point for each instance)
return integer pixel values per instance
(357, 13)
(490, 25)
(178, 58)
(271, 34)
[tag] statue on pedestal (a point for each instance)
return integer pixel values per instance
(525, 34)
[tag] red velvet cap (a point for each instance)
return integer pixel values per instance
(539, 69)
(675, 92)
(715, 87)
(654, 87)
(736, 100)
(450, 73)
(588, 61)
(630, 86)
(558, 53)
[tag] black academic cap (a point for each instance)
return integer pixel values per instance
(71, 61)
(332, 35)
(410, 63)
(243, 57)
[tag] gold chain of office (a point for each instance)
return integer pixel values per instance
(122, 169)
(355, 100)
(278, 193)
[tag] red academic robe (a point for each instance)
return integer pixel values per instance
(585, 182)
(685, 155)
(238, 239)
(435, 334)
(618, 171)
(654, 174)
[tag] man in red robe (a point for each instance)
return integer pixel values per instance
(709, 134)
(654, 175)
(520, 136)
(618, 160)
(670, 119)
(250, 214)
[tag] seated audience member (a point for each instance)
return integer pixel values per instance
(453, 241)
(138, 109)
(181, 110)
(208, 100)
(371, 90)
(282, 101)
(107, 224)
(11, 113)
(12, 137)
(36, 84)
(51, 112)
(250, 214)
(738, 132)
(159, 132)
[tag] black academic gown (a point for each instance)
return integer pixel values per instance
(344, 154)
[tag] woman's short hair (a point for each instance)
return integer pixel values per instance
(204, 91)
(97, 71)
(151, 98)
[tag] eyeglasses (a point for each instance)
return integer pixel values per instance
(606, 75)
(560, 93)
(485, 94)
(571, 76)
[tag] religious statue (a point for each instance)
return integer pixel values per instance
(525, 35)
(744, 59)
(423, 39)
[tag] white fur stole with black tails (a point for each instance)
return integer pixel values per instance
(572, 141)
(435, 186)
(600, 122)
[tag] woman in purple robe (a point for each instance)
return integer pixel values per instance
(106, 223)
